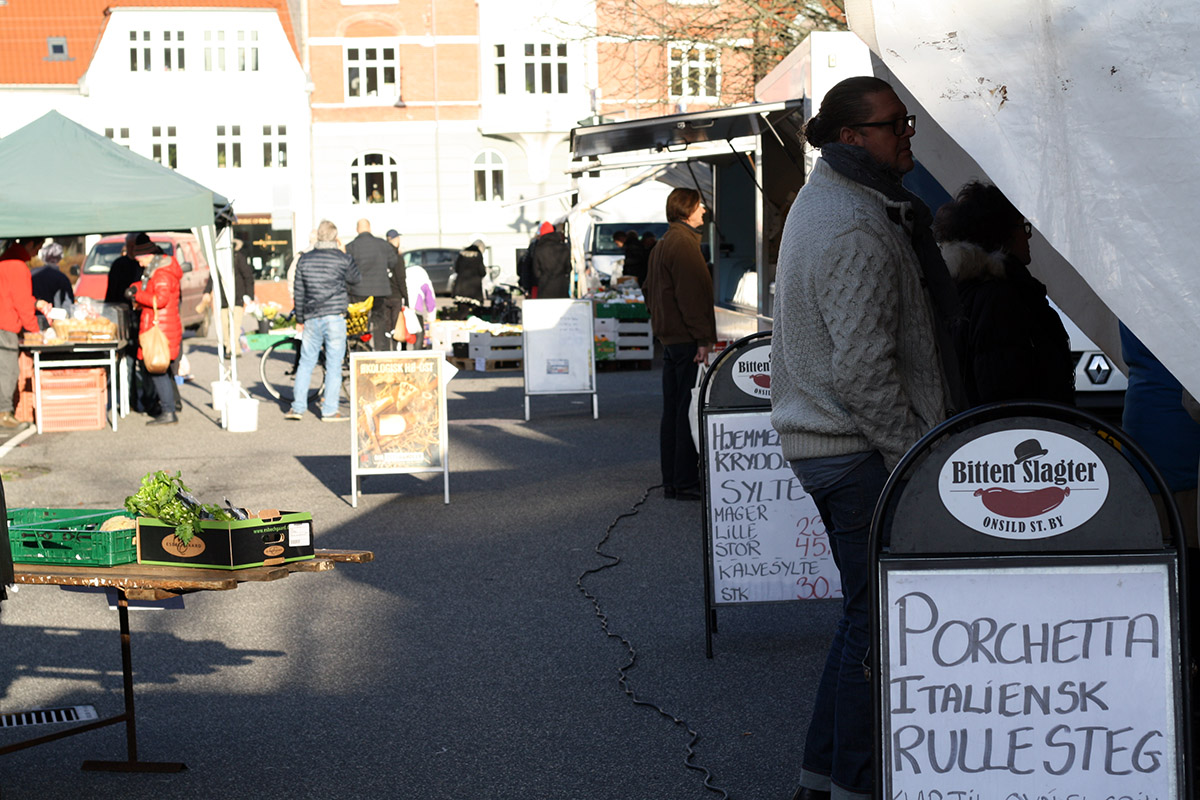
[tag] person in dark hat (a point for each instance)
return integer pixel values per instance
(124, 271)
(49, 282)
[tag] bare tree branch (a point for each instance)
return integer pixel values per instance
(656, 54)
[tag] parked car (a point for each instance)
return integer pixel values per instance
(93, 277)
(1099, 385)
(438, 262)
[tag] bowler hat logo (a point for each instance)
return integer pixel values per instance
(1030, 448)
(1023, 484)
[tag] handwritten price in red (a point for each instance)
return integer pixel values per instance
(809, 588)
(811, 541)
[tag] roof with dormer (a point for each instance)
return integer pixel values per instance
(27, 28)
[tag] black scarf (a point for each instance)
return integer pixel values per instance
(857, 164)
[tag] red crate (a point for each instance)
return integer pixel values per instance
(73, 379)
(24, 405)
(73, 409)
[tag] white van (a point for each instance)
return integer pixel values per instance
(604, 255)
(1099, 385)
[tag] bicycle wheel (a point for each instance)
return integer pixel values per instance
(277, 370)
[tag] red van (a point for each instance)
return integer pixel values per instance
(93, 277)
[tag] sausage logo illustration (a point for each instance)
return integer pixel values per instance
(752, 372)
(1023, 484)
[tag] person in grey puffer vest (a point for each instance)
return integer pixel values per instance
(862, 365)
(320, 295)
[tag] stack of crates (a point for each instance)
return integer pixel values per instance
(24, 399)
(74, 399)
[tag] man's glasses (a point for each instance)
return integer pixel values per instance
(1028, 228)
(898, 125)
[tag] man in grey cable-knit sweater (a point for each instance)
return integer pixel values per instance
(857, 377)
(855, 365)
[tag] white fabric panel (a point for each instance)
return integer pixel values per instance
(1083, 114)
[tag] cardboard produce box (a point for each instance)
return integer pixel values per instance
(273, 537)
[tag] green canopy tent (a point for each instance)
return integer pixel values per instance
(57, 178)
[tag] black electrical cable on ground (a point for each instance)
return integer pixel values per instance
(623, 679)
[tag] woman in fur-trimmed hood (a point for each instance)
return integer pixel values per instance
(1014, 346)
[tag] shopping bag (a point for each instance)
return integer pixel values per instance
(156, 350)
(411, 324)
(694, 407)
(400, 332)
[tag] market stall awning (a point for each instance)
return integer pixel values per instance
(677, 131)
(1085, 115)
(61, 179)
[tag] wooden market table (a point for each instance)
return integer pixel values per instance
(149, 582)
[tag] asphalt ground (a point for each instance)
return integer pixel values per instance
(464, 662)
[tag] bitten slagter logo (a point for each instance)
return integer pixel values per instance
(1023, 484)
(752, 372)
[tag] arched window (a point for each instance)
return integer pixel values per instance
(374, 179)
(489, 176)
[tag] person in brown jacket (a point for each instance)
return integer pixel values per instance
(679, 297)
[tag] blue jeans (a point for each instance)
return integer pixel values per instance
(839, 749)
(328, 333)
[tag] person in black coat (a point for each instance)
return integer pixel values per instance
(376, 260)
(468, 279)
(636, 260)
(1014, 345)
(552, 265)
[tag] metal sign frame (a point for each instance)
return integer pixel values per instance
(1092, 549)
(530, 350)
(430, 372)
(720, 395)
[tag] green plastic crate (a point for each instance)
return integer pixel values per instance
(261, 341)
(622, 310)
(68, 536)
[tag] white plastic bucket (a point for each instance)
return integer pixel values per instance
(241, 414)
(222, 391)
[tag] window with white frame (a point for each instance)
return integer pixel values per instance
(214, 51)
(274, 145)
(546, 68)
(173, 60)
(139, 51)
(229, 146)
(118, 135)
(371, 72)
(501, 70)
(163, 148)
(247, 51)
(374, 178)
(694, 71)
(489, 176)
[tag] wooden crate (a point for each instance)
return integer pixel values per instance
(492, 347)
(634, 340)
(485, 365)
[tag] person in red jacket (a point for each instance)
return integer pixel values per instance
(17, 313)
(158, 293)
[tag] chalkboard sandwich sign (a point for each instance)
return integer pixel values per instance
(764, 539)
(1028, 616)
